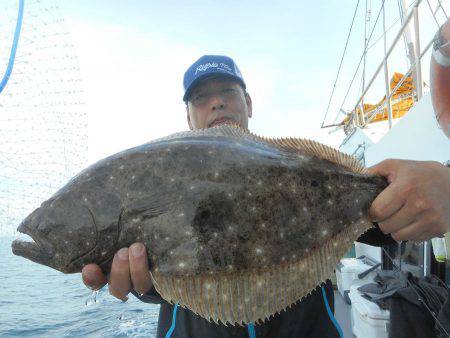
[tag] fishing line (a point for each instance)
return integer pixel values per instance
(441, 327)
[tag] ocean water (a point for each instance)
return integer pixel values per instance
(36, 301)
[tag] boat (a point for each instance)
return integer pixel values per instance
(400, 124)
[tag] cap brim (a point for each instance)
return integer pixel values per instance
(210, 75)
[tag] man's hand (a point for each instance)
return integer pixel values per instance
(129, 271)
(416, 204)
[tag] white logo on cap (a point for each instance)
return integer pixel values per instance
(206, 66)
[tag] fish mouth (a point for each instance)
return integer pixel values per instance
(31, 248)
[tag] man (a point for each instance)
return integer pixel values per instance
(415, 206)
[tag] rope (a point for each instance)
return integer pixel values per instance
(12, 55)
(340, 64)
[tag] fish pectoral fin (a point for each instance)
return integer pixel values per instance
(148, 207)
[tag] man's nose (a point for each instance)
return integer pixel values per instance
(217, 102)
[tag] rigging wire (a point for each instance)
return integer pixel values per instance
(360, 60)
(340, 64)
(443, 10)
(432, 13)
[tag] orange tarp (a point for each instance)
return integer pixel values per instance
(401, 101)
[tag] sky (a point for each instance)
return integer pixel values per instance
(133, 56)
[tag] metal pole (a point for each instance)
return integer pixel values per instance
(386, 73)
(417, 54)
(399, 34)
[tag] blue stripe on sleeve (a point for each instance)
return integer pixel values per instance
(174, 321)
(330, 314)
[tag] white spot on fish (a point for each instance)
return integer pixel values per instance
(171, 252)
(263, 225)
(121, 167)
(181, 214)
(215, 234)
(155, 236)
(280, 184)
(172, 179)
(230, 228)
(201, 247)
(127, 194)
(360, 214)
(135, 220)
(103, 253)
(330, 202)
(66, 242)
(249, 193)
(216, 174)
(133, 177)
(188, 233)
(305, 209)
(207, 286)
(328, 187)
(192, 187)
(293, 220)
(167, 238)
(294, 256)
(230, 267)
(283, 258)
(258, 251)
(335, 244)
(85, 199)
(210, 152)
(253, 209)
(87, 243)
(259, 283)
(181, 264)
(357, 201)
(281, 234)
(259, 182)
(230, 195)
(324, 232)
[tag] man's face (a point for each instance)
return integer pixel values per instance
(218, 100)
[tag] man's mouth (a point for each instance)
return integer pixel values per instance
(222, 120)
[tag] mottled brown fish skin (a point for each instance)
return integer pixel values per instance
(202, 204)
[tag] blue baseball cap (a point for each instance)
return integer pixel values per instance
(210, 65)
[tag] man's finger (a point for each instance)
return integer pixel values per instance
(119, 279)
(140, 276)
(405, 216)
(386, 168)
(93, 276)
(410, 232)
(386, 204)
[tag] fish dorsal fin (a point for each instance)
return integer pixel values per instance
(294, 145)
(319, 150)
(298, 145)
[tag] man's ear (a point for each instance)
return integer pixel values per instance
(248, 99)
(188, 117)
